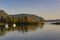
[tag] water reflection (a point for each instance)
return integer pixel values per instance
(21, 28)
(2, 30)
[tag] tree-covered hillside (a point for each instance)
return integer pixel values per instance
(19, 18)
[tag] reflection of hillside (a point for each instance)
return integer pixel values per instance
(2, 30)
(25, 28)
(22, 28)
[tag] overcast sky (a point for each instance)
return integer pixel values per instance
(48, 9)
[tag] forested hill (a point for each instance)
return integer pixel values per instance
(4, 17)
(29, 16)
(3, 13)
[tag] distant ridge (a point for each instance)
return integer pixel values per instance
(56, 20)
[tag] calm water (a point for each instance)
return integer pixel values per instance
(31, 32)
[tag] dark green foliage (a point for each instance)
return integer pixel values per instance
(2, 20)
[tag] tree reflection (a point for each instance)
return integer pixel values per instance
(21, 28)
(2, 30)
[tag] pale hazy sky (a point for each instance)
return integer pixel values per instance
(48, 9)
